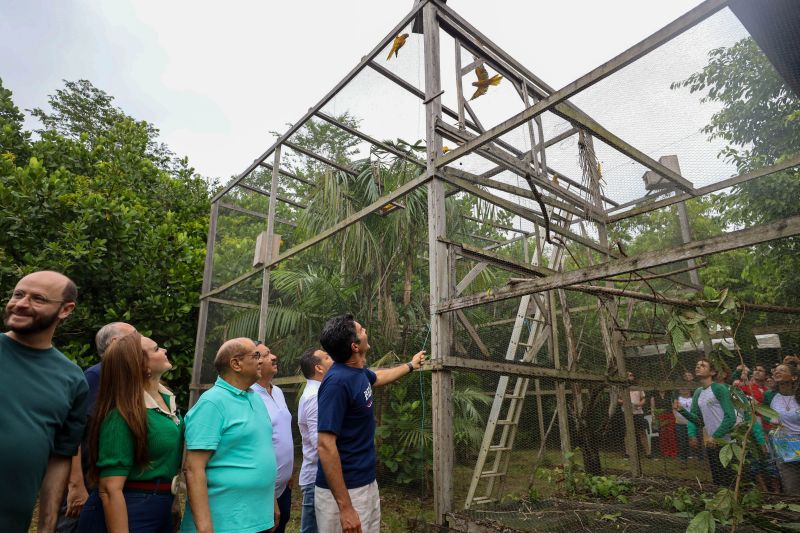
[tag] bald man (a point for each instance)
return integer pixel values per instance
(230, 463)
(43, 396)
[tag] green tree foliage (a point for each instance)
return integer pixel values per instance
(95, 201)
(760, 120)
(13, 140)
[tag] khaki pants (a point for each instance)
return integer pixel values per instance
(366, 501)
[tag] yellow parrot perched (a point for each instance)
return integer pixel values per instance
(398, 43)
(484, 81)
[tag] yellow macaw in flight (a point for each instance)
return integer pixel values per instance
(484, 81)
(398, 43)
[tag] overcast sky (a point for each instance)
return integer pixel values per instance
(216, 77)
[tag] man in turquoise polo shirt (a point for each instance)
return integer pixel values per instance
(230, 464)
(44, 397)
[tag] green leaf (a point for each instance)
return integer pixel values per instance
(725, 455)
(737, 451)
(767, 412)
(703, 522)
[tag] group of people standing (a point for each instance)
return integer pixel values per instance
(702, 419)
(121, 472)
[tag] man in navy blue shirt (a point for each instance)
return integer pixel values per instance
(346, 493)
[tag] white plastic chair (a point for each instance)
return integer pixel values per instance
(650, 433)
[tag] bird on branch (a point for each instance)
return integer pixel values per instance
(484, 81)
(398, 43)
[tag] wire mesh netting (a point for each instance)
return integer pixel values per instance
(565, 401)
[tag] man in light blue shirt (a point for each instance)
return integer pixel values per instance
(314, 363)
(230, 466)
(281, 421)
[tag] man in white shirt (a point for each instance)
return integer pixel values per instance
(314, 363)
(281, 420)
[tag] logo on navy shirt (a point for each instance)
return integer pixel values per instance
(368, 396)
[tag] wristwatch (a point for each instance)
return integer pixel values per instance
(410, 367)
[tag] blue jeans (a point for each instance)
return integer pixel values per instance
(308, 518)
(148, 512)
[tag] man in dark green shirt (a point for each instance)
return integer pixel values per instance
(43, 396)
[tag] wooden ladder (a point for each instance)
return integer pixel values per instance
(495, 451)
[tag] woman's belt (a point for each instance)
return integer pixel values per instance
(158, 486)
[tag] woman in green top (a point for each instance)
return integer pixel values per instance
(136, 440)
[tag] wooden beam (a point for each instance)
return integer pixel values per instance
(708, 189)
(233, 303)
(524, 169)
(722, 243)
(388, 74)
(256, 214)
(441, 270)
(506, 263)
(331, 94)
(273, 192)
(560, 137)
(665, 34)
(470, 277)
(677, 302)
(281, 198)
(519, 210)
(481, 45)
(333, 230)
(202, 319)
(509, 368)
(372, 141)
(468, 327)
(287, 174)
(495, 225)
(321, 159)
(518, 191)
(596, 129)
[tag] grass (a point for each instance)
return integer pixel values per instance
(401, 503)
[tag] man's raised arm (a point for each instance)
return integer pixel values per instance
(388, 375)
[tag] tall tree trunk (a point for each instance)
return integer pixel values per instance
(407, 280)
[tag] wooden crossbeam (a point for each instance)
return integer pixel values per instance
(333, 230)
(722, 243)
(321, 159)
(510, 368)
(519, 210)
(329, 96)
(665, 34)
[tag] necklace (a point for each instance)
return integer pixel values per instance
(787, 401)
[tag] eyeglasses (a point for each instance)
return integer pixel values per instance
(255, 355)
(35, 299)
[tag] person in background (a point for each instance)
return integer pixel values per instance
(714, 414)
(786, 402)
(759, 379)
(638, 400)
(44, 397)
(281, 419)
(135, 441)
(743, 380)
(230, 464)
(791, 360)
(314, 363)
(683, 401)
(78, 485)
(662, 411)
